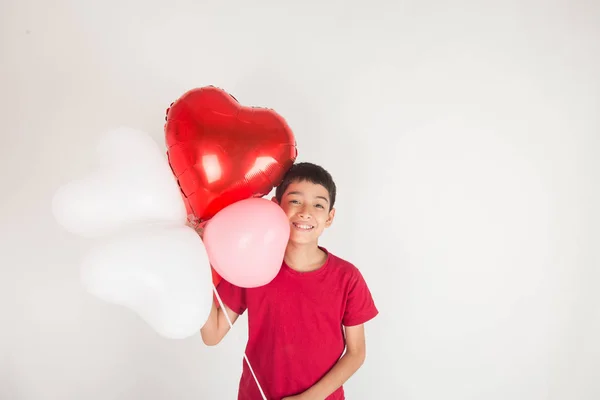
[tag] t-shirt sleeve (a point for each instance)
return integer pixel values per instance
(360, 306)
(232, 296)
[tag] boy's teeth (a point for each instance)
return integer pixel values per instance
(303, 226)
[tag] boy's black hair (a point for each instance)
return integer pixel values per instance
(307, 172)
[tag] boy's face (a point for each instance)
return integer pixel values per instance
(307, 207)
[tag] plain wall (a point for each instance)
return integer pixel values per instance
(464, 138)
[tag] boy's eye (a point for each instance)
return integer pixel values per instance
(294, 202)
(320, 206)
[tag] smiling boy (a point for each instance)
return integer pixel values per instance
(306, 327)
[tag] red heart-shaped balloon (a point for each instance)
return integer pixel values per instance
(222, 152)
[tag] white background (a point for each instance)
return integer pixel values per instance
(464, 137)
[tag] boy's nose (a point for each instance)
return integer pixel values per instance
(304, 214)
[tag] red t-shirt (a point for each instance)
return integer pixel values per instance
(295, 333)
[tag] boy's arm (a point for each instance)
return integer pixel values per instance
(216, 326)
(350, 362)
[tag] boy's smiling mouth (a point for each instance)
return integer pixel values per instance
(302, 227)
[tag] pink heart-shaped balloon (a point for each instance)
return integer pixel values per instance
(246, 241)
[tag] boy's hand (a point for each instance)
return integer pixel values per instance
(197, 226)
(301, 396)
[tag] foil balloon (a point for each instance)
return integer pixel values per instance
(222, 152)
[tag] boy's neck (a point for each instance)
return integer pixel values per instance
(304, 258)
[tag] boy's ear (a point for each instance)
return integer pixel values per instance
(330, 218)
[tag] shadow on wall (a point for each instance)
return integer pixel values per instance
(322, 136)
(264, 87)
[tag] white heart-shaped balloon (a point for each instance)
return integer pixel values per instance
(162, 273)
(145, 258)
(132, 184)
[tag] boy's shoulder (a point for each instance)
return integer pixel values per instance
(342, 265)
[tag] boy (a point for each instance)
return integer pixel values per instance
(301, 322)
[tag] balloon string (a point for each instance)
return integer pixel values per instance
(231, 327)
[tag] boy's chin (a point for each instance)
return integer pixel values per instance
(302, 239)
